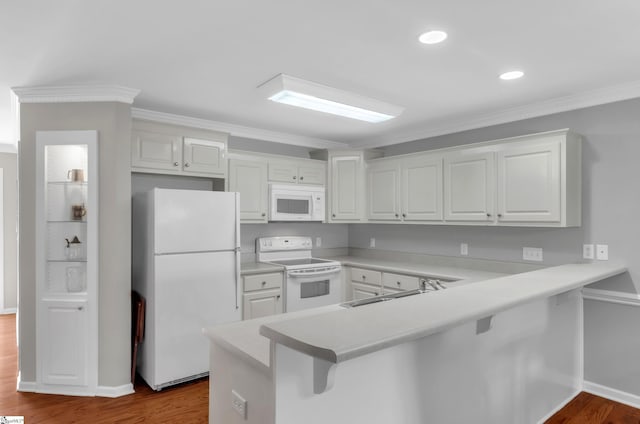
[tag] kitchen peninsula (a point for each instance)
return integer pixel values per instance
(502, 350)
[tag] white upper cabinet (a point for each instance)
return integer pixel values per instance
(529, 183)
(422, 188)
(163, 149)
(346, 188)
(249, 178)
(294, 173)
(383, 188)
(204, 156)
(469, 180)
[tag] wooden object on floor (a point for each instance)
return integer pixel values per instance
(138, 310)
(591, 409)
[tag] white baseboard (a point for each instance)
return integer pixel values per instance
(559, 407)
(7, 311)
(114, 391)
(612, 394)
(26, 386)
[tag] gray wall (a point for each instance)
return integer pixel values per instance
(9, 163)
(611, 207)
(113, 122)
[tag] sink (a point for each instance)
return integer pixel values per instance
(382, 298)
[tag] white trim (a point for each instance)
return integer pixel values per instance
(547, 107)
(115, 391)
(236, 130)
(76, 93)
(8, 147)
(26, 386)
(618, 297)
(612, 394)
(7, 311)
(559, 407)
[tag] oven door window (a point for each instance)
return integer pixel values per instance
(314, 289)
(292, 206)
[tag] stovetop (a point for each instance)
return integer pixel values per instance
(301, 261)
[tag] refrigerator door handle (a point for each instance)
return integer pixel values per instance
(237, 248)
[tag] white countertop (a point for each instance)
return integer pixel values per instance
(339, 335)
(248, 268)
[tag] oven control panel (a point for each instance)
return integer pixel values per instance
(271, 244)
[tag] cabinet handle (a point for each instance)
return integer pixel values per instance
(301, 178)
(175, 164)
(186, 164)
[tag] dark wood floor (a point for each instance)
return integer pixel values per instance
(188, 403)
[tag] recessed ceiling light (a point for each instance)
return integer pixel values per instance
(433, 37)
(310, 95)
(511, 75)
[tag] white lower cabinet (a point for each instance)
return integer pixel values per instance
(368, 283)
(363, 291)
(262, 295)
(64, 359)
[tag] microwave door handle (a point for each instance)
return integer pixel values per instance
(312, 274)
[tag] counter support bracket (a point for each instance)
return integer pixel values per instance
(323, 375)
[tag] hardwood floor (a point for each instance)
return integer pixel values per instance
(188, 403)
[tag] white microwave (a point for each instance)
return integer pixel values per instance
(292, 202)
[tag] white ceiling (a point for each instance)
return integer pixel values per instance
(204, 59)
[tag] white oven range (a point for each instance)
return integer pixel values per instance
(309, 282)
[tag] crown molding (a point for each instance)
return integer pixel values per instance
(236, 130)
(75, 93)
(547, 107)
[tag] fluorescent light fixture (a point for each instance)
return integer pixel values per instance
(511, 75)
(433, 37)
(310, 95)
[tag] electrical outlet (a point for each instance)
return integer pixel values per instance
(532, 254)
(464, 249)
(318, 241)
(587, 251)
(602, 252)
(239, 404)
(372, 242)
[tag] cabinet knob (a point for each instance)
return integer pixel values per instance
(264, 214)
(396, 215)
(333, 215)
(499, 215)
(301, 178)
(398, 283)
(264, 283)
(404, 215)
(80, 308)
(186, 164)
(278, 297)
(175, 164)
(489, 215)
(375, 293)
(294, 177)
(364, 276)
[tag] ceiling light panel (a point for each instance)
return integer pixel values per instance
(511, 75)
(309, 95)
(433, 37)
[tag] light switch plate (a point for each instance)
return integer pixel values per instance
(532, 254)
(372, 242)
(239, 404)
(587, 251)
(464, 249)
(602, 252)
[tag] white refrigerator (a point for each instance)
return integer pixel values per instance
(186, 263)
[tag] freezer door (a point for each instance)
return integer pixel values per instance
(195, 221)
(193, 291)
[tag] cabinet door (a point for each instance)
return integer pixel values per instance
(156, 151)
(422, 189)
(262, 303)
(311, 174)
(346, 186)
(249, 178)
(284, 172)
(364, 291)
(204, 156)
(383, 183)
(469, 186)
(64, 339)
(529, 183)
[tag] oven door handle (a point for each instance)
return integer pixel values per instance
(312, 274)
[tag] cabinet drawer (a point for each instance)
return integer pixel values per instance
(399, 281)
(366, 276)
(262, 281)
